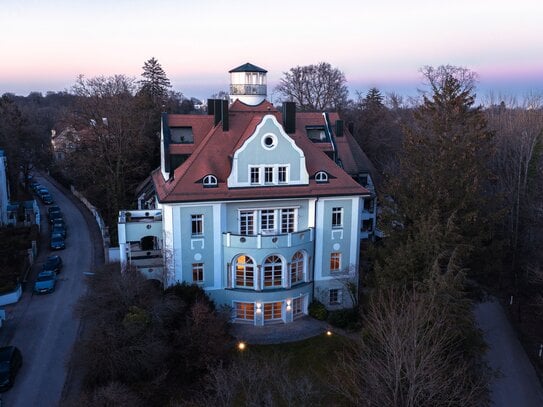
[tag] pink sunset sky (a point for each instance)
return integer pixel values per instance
(46, 44)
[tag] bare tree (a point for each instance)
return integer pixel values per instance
(407, 356)
(314, 87)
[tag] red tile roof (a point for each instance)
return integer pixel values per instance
(213, 151)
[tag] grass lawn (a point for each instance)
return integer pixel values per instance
(312, 357)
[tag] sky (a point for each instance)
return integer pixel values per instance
(46, 44)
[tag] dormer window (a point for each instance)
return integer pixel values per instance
(181, 135)
(316, 134)
(209, 181)
(321, 177)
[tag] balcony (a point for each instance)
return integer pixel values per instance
(265, 241)
(244, 89)
(148, 215)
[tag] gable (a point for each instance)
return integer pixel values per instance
(268, 157)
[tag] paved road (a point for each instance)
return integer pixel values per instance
(517, 384)
(44, 327)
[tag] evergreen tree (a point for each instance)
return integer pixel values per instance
(155, 83)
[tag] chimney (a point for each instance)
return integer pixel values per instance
(289, 117)
(224, 114)
(339, 128)
(217, 111)
(210, 106)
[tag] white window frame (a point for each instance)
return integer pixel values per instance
(198, 272)
(268, 221)
(241, 307)
(297, 268)
(269, 175)
(197, 225)
(270, 310)
(247, 222)
(282, 174)
(273, 270)
(288, 223)
(244, 272)
(337, 217)
(298, 307)
(210, 181)
(335, 296)
(254, 175)
(335, 256)
(321, 177)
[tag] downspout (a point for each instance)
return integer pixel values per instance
(330, 133)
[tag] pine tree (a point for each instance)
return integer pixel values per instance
(155, 83)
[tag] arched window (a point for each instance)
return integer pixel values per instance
(210, 181)
(273, 267)
(297, 268)
(321, 177)
(245, 271)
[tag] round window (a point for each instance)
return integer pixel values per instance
(269, 141)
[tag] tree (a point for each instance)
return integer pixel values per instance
(314, 87)
(112, 157)
(444, 164)
(409, 355)
(155, 83)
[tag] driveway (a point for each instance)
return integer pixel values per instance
(517, 384)
(45, 327)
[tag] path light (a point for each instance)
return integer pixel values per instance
(242, 346)
(328, 332)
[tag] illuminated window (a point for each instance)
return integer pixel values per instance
(272, 311)
(297, 268)
(337, 217)
(273, 267)
(335, 262)
(245, 311)
(244, 271)
(197, 225)
(197, 272)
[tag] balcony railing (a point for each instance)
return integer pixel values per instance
(147, 215)
(244, 89)
(261, 241)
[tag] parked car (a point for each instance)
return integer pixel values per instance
(41, 191)
(57, 242)
(47, 199)
(45, 283)
(55, 216)
(11, 361)
(52, 263)
(59, 222)
(58, 231)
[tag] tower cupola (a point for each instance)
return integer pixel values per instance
(248, 84)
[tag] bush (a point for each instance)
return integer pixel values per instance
(345, 318)
(317, 310)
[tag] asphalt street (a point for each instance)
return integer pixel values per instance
(45, 327)
(516, 383)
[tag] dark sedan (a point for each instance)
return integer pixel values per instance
(11, 361)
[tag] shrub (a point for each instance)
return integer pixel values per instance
(345, 318)
(317, 310)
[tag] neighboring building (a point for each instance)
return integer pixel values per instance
(264, 209)
(64, 142)
(4, 189)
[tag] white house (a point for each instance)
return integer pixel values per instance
(263, 208)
